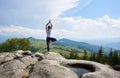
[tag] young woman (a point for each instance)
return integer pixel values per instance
(48, 32)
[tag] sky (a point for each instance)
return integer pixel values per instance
(71, 19)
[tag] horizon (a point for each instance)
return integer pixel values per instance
(107, 40)
(76, 20)
(106, 43)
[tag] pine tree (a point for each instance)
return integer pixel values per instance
(118, 58)
(100, 56)
(106, 58)
(115, 58)
(110, 57)
(93, 56)
(85, 55)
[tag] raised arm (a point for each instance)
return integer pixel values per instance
(50, 24)
(47, 25)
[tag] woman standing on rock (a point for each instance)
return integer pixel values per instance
(48, 32)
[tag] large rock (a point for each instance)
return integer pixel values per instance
(38, 55)
(51, 69)
(28, 60)
(53, 56)
(98, 70)
(4, 57)
(24, 64)
(21, 53)
(16, 64)
(12, 69)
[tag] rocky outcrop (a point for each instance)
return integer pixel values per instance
(53, 56)
(16, 64)
(13, 69)
(97, 70)
(51, 69)
(24, 64)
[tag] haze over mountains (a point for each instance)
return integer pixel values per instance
(67, 42)
(72, 43)
(114, 45)
(111, 43)
(90, 45)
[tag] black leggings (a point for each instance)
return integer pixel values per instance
(48, 39)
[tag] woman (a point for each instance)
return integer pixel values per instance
(48, 32)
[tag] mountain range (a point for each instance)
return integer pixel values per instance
(41, 44)
(84, 45)
(113, 45)
(68, 43)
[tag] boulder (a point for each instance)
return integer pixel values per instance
(4, 57)
(51, 69)
(38, 55)
(53, 56)
(12, 69)
(28, 60)
(97, 70)
(24, 64)
(21, 52)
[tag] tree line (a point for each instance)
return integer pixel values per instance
(15, 44)
(112, 58)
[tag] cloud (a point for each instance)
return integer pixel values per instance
(20, 31)
(86, 28)
(32, 12)
(71, 28)
(21, 18)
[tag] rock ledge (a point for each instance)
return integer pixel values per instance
(24, 64)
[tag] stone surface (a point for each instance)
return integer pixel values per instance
(12, 69)
(28, 60)
(4, 57)
(51, 69)
(23, 52)
(53, 56)
(24, 64)
(100, 70)
(38, 55)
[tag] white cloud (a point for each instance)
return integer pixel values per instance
(55, 8)
(84, 28)
(49, 9)
(71, 28)
(36, 9)
(19, 31)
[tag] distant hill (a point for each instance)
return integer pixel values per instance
(67, 42)
(113, 45)
(40, 45)
(37, 44)
(110, 42)
(64, 45)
